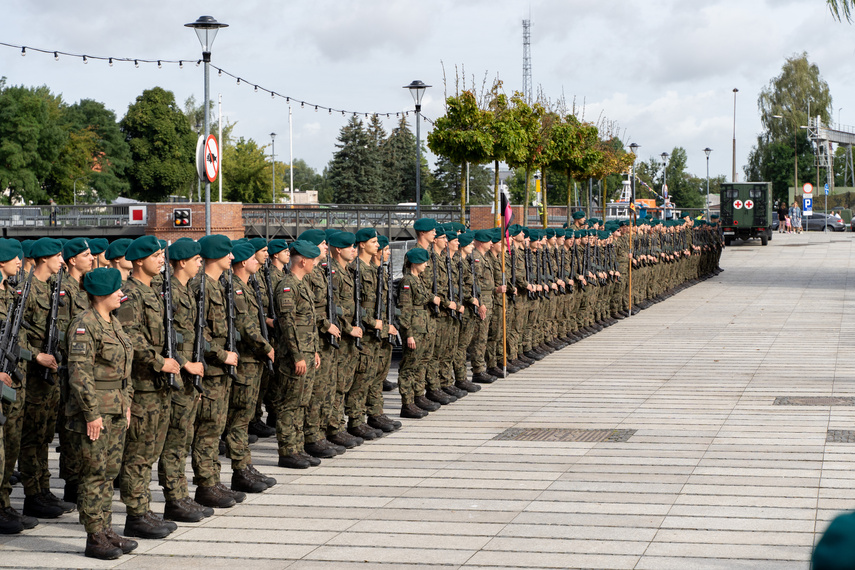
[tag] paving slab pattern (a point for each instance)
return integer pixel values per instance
(715, 475)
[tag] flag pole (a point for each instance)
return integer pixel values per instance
(504, 308)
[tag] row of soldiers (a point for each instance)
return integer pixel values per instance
(219, 328)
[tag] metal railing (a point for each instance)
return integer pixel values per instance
(52, 216)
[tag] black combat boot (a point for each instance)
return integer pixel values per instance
(384, 423)
(426, 405)
(412, 411)
(242, 480)
(212, 497)
(181, 512)
(238, 496)
(99, 546)
(364, 431)
(269, 481)
(467, 386)
(125, 544)
(9, 524)
(483, 378)
(259, 428)
(70, 494)
(345, 440)
(440, 397)
(143, 526)
(293, 461)
(27, 522)
(495, 371)
(38, 506)
(317, 449)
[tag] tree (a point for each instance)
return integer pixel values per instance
(249, 173)
(682, 187)
(31, 140)
(353, 173)
(536, 123)
(784, 105)
(445, 188)
(399, 165)
(841, 9)
(163, 147)
(575, 152)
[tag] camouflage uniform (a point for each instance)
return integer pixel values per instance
(253, 350)
(141, 315)
(99, 367)
(357, 396)
(324, 385)
(374, 402)
(182, 414)
(14, 412)
(298, 341)
(269, 381)
(414, 301)
(213, 408)
(42, 398)
(345, 364)
(438, 318)
(467, 324)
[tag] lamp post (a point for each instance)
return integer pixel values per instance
(273, 159)
(735, 91)
(634, 148)
(707, 152)
(417, 90)
(206, 28)
(664, 156)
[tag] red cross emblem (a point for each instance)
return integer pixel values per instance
(749, 204)
(738, 204)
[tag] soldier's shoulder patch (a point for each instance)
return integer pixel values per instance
(80, 330)
(123, 299)
(406, 287)
(286, 289)
(62, 293)
(238, 291)
(79, 347)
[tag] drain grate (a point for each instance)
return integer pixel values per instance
(565, 435)
(840, 436)
(814, 401)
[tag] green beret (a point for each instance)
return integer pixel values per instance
(383, 241)
(526, 232)
(450, 235)
(330, 231)
(623, 223)
(465, 239)
(27, 246)
(45, 247)
(97, 246)
(569, 234)
(62, 242)
(313, 236)
(458, 227)
(184, 248)
(514, 229)
(418, 255)
(550, 232)
(484, 236)
(440, 233)
(424, 225)
(239, 240)
(258, 243)
(276, 245)
(342, 239)
(305, 248)
(836, 549)
(118, 248)
(713, 216)
(74, 247)
(214, 246)
(497, 235)
(102, 281)
(9, 249)
(365, 234)
(142, 247)
(578, 215)
(242, 252)
(448, 226)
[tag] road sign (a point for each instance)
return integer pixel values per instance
(737, 204)
(808, 206)
(826, 188)
(665, 192)
(749, 204)
(137, 215)
(808, 188)
(200, 156)
(212, 158)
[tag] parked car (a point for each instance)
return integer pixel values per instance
(775, 222)
(822, 222)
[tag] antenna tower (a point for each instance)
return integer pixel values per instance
(527, 61)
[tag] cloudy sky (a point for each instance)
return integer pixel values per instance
(663, 71)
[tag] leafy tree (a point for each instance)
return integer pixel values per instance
(353, 174)
(31, 140)
(399, 165)
(841, 9)
(248, 179)
(446, 183)
(163, 147)
(576, 152)
(536, 123)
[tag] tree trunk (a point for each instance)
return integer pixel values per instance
(569, 199)
(527, 198)
(497, 216)
(463, 183)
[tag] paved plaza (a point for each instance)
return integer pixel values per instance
(716, 452)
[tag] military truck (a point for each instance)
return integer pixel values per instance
(746, 211)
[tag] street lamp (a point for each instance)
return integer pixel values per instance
(273, 158)
(417, 90)
(634, 148)
(707, 152)
(206, 28)
(735, 91)
(664, 156)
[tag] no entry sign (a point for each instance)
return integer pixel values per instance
(212, 158)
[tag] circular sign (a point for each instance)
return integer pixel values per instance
(212, 158)
(749, 204)
(808, 187)
(200, 156)
(738, 204)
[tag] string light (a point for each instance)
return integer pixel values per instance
(111, 62)
(256, 88)
(56, 56)
(85, 60)
(159, 66)
(136, 64)
(180, 64)
(23, 51)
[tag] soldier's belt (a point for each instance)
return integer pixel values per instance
(110, 385)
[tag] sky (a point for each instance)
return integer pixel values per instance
(660, 72)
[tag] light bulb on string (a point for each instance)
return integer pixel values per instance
(110, 61)
(23, 51)
(85, 60)
(198, 62)
(220, 73)
(287, 99)
(56, 56)
(256, 88)
(272, 95)
(159, 66)
(238, 80)
(302, 104)
(316, 108)
(136, 63)
(330, 112)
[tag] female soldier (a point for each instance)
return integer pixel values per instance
(98, 408)
(417, 331)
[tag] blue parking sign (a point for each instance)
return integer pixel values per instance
(826, 188)
(808, 206)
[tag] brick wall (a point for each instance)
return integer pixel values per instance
(481, 218)
(226, 219)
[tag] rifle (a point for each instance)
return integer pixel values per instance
(454, 314)
(476, 290)
(331, 308)
(271, 302)
(574, 262)
(559, 261)
(394, 340)
(51, 344)
(543, 275)
(460, 280)
(378, 306)
(513, 272)
(262, 322)
(231, 335)
(171, 344)
(435, 289)
(357, 298)
(199, 340)
(528, 271)
(11, 350)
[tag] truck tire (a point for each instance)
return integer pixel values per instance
(769, 234)
(764, 239)
(728, 240)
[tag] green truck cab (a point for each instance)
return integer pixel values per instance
(746, 211)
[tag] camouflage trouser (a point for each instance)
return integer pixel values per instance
(440, 324)
(291, 405)
(14, 412)
(242, 399)
(354, 402)
(467, 329)
(69, 462)
(100, 461)
(40, 409)
(173, 460)
(345, 364)
(144, 443)
(374, 404)
(211, 415)
(529, 332)
(498, 332)
(323, 394)
(450, 336)
(265, 392)
(478, 346)
(414, 365)
(516, 330)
